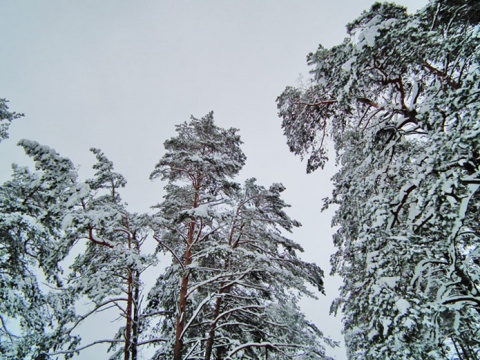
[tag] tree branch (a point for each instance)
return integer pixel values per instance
(171, 251)
(266, 344)
(84, 347)
(442, 75)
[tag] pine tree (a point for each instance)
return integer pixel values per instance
(400, 100)
(201, 159)
(231, 290)
(44, 214)
(34, 316)
(108, 271)
(234, 277)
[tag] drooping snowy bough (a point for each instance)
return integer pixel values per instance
(400, 98)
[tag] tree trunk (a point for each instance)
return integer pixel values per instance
(182, 302)
(465, 352)
(216, 311)
(128, 328)
(218, 303)
(211, 334)
(135, 324)
(128, 315)
(177, 355)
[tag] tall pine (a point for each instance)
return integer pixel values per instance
(232, 288)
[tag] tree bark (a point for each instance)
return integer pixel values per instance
(211, 334)
(135, 324)
(128, 328)
(218, 302)
(128, 315)
(182, 302)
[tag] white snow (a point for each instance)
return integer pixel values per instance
(402, 306)
(201, 211)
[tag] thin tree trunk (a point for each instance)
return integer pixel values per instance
(213, 327)
(136, 324)
(465, 353)
(182, 303)
(128, 328)
(216, 311)
(218, 302)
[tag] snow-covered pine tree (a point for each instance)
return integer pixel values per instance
(108, 271)
(198, 164)
(232, 289)
(400, 99)
(43, 215)
(35, 309)
(234, 278)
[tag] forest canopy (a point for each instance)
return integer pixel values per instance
(400, 100)
(231, 289)
(396, 105)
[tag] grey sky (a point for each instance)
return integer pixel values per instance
(118, 75)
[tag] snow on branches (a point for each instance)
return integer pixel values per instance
(233, 272)
(231, 290)
(400, 99)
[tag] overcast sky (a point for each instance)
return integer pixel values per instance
(119, 75)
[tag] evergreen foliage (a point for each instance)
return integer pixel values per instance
(230, 292)
(6, 118)
(400, 99)
(237, 271)
(32, 206)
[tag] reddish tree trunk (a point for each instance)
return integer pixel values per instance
(182, 311)
(211, 334)
(182, 303)
(128, 327)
